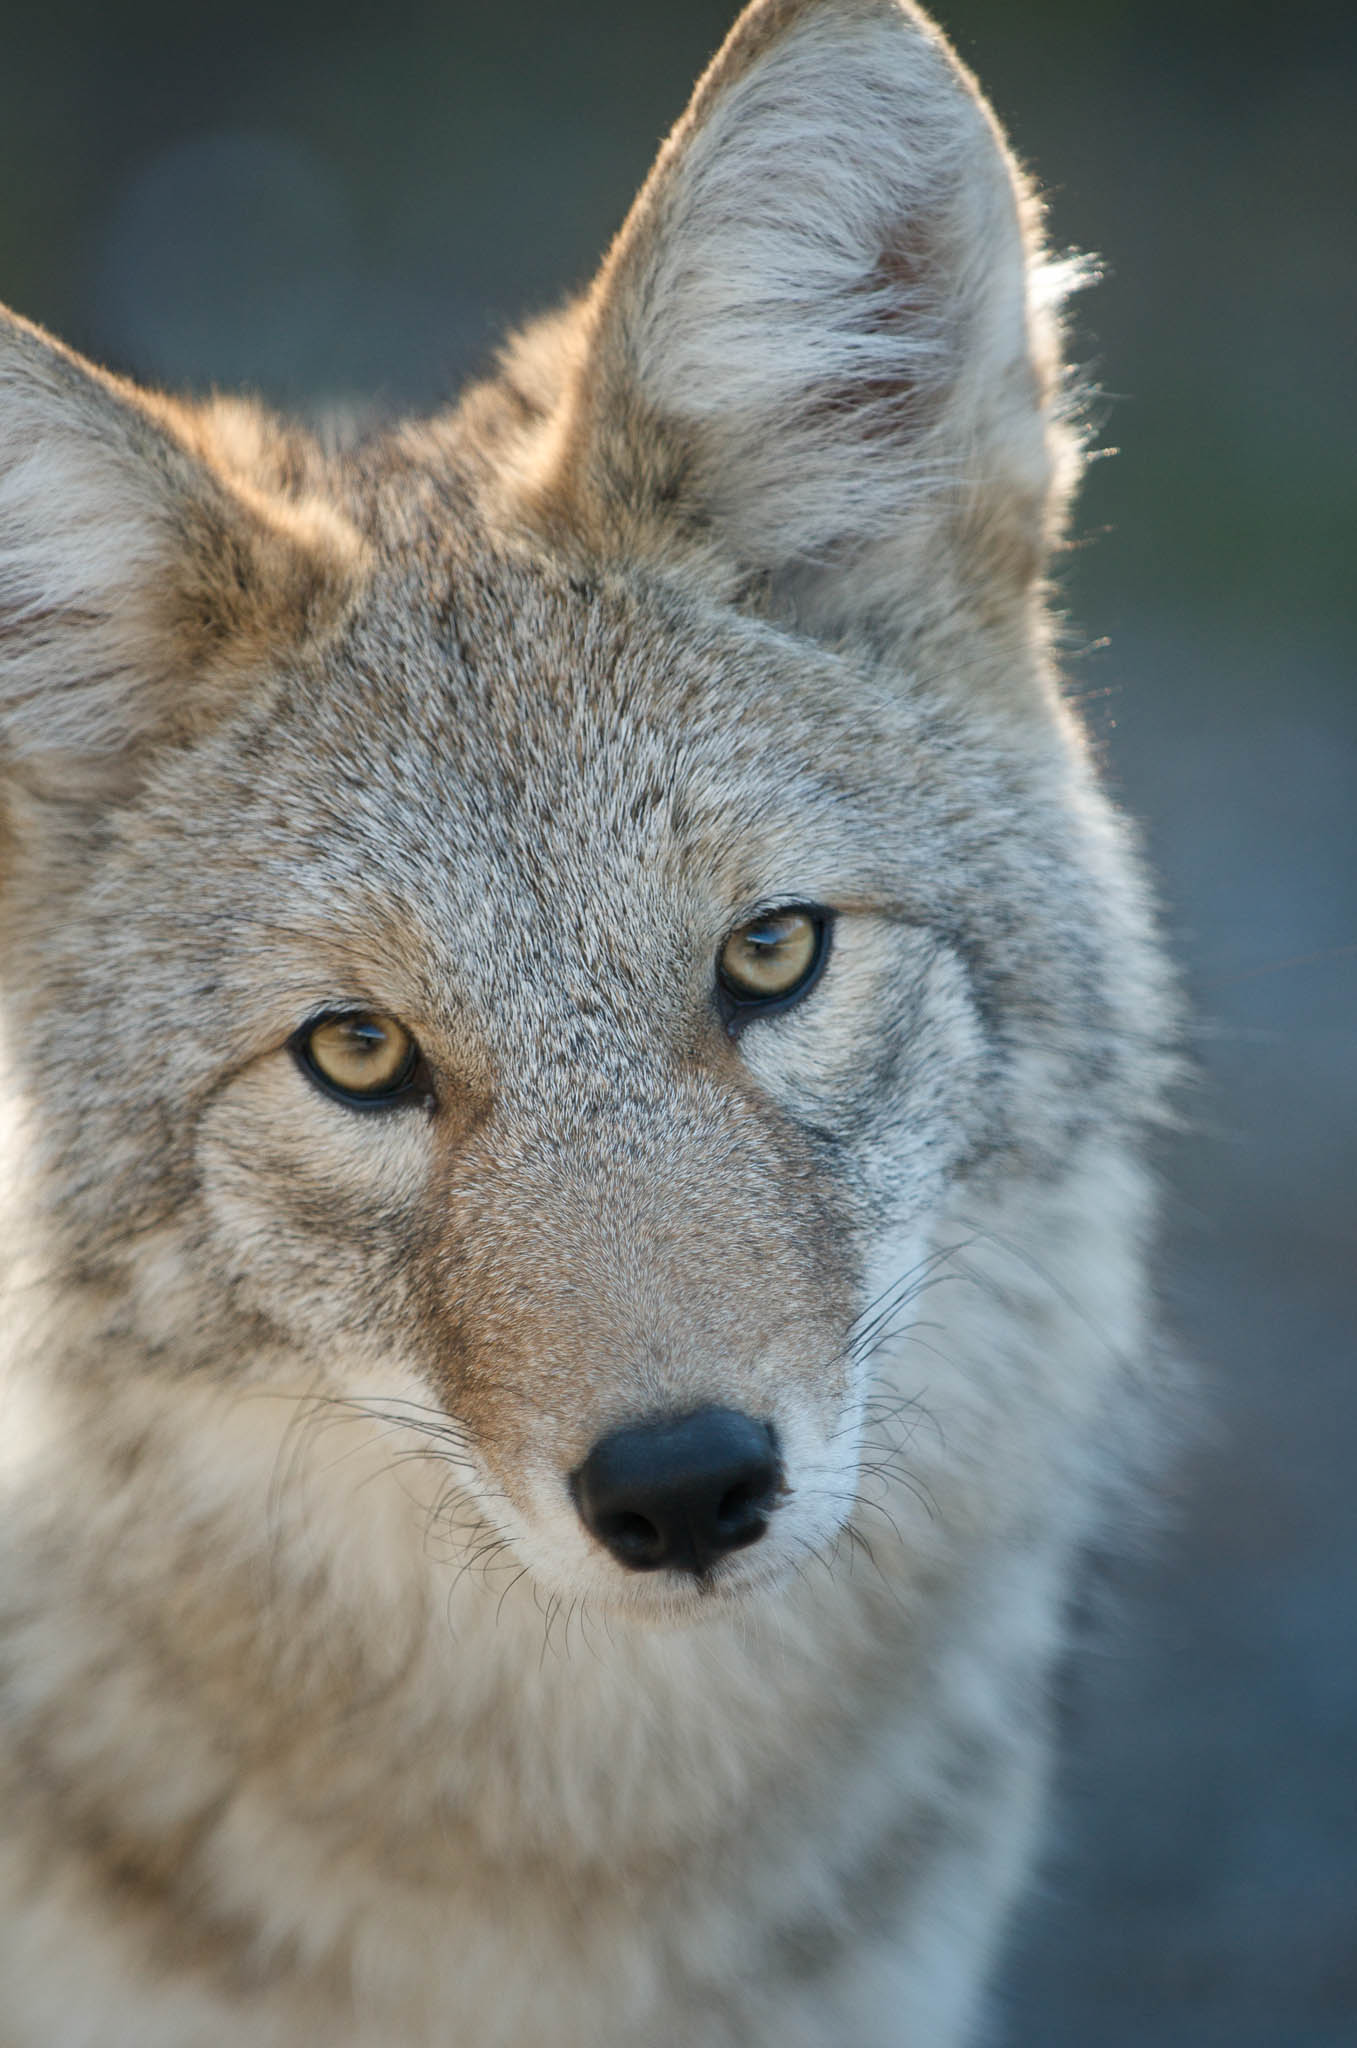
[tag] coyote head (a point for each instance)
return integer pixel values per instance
(515, 932)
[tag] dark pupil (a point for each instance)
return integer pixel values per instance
(766, 938)
(365, 1038)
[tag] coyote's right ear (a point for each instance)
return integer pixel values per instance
(136, 577)
(823, 343)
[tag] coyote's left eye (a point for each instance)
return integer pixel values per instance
(772, 961)
(365, 1059)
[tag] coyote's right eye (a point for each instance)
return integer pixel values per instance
(366, 1060)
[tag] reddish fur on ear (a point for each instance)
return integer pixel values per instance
(138, 573)
(823, 346)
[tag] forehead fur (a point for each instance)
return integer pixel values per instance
(488, 711)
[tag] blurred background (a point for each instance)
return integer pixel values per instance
(347, 203)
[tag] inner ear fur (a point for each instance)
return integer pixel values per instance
(142, 578)
(824, 348)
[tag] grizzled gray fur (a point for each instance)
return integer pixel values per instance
(578, 1040)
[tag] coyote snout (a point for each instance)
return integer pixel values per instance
(636, 1300)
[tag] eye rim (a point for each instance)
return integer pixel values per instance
(412, 1084)
(738, 1008)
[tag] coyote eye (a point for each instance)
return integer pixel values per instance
(364, 1059)
(772, 961)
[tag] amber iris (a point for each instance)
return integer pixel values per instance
(361, 1056)
(772, 957)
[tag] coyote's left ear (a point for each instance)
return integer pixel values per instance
(824, 339)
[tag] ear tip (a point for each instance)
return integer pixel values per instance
(831, 299)
(38, 369)
(889, 57)
(24, 346)
(766, 25)
(765, 22)
(23, 340)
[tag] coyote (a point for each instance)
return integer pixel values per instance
(578, 1043)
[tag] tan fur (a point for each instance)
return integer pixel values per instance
(326, 1718)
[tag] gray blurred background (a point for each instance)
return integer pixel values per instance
(329, 203)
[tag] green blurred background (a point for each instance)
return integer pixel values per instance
(341, 203)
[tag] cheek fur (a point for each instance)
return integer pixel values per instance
(315, 1209)
(887, 1064)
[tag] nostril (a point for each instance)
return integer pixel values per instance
(680, 1493)
(631, 1538)
(743, 1506)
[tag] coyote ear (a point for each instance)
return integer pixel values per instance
(824, 336)
(136, 580)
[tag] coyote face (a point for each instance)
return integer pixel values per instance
(577, 1037)
(612, 1185)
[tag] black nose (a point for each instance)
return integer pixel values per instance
(680, 1493)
